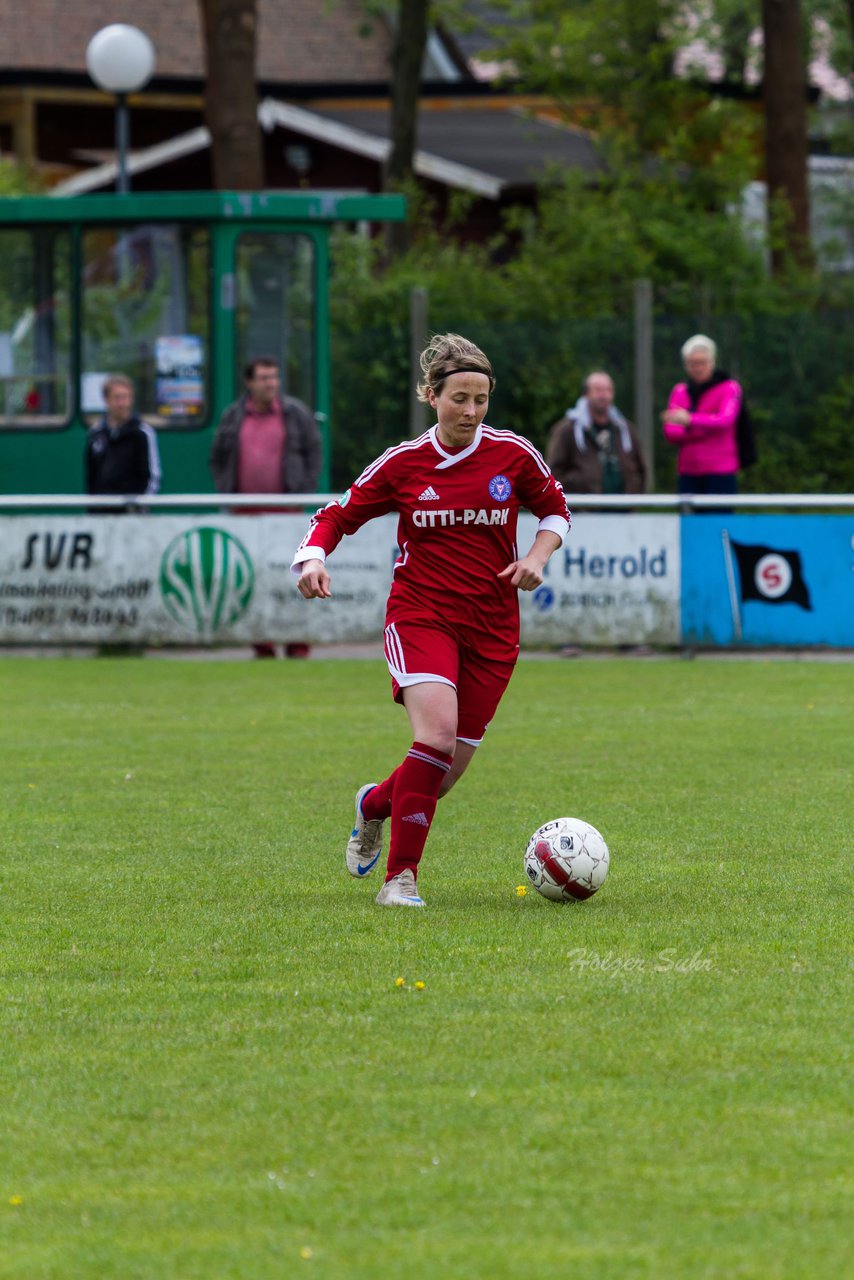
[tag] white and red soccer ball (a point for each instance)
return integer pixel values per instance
(567, 860)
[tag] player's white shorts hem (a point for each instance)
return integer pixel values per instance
(420, 677)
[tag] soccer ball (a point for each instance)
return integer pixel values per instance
(567, 860)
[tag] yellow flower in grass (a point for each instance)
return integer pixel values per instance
(400, 982)
(521, 890)
(305, 1252)
(419, 986)
(16, 1200)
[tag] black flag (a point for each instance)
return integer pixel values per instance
(774, 577)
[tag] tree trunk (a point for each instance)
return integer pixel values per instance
(231, 99)
(407, 56)
(785, 99)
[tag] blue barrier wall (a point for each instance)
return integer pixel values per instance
(768, 580)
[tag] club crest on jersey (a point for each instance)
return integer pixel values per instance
(500, 488)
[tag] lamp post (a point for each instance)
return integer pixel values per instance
(120, 60)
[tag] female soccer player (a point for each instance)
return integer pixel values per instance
(452, 619)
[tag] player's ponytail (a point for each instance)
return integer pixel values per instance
(448, 353)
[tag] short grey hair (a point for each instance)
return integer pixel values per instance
(700, 342)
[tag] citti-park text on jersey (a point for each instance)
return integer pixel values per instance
(430, 518)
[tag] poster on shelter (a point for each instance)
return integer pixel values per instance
(92, 392)
(180, 389)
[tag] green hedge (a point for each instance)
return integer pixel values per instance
(796, 371)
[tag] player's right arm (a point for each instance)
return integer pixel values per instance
(314, 580)
(370, 496)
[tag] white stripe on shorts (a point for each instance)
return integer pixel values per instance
(397, 664)
(394, 649)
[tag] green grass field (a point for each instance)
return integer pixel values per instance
(208, 1070)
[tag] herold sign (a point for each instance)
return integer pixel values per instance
(616, 580)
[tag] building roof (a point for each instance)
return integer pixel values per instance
(298, 41)
(507, 141)
(303, 42)
(486, 150)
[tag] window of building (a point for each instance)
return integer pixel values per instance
(275, 307)
(146, 313)
(35, 327)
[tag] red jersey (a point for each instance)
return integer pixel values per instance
(458, 514)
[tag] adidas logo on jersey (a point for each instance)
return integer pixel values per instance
(429, 495)
(420, 819)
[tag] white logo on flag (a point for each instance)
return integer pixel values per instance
(773, 576)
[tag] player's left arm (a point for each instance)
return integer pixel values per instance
(540, 493)
(527, 574)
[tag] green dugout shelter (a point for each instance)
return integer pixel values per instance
(177, 291)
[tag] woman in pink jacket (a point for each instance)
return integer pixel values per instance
(701, 420)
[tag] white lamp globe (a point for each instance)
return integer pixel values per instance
(120, 58)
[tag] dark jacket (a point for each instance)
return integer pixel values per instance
(303, 448)
(125, 461)
(574, 459)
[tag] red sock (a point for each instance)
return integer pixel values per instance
(377, 803)
(414, 799)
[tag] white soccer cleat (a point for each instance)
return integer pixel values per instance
(366, 839)
(400, 891)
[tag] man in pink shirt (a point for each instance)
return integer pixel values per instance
(267, 442)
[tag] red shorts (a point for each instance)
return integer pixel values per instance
(425, 654)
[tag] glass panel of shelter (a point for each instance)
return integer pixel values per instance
(146, 314)
(276, 306)
(35, 327)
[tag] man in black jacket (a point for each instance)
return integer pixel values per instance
(121, 450)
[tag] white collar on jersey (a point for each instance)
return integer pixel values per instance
(450, 458)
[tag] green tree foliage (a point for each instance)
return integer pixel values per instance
(608, 60)
(726, 26)
(16, 180)
(839, 17)
(584, 242)
(832, 463)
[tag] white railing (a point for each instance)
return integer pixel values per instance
(577, 502)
